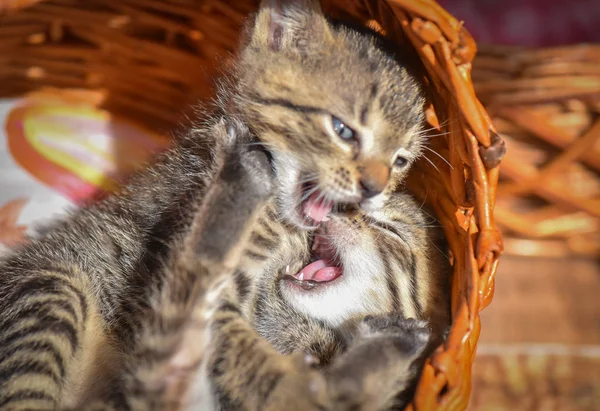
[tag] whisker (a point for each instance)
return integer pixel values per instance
(431, 162)
(438, 128)
(440, 156)
(308, 179)
(438, 248)
(306, 194)
(437, 135)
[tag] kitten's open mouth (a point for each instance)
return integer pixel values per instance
(315, 208)
(324, 267)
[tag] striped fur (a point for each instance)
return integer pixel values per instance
(247, 346)
(70, 299)
(77, 301)
(71, 320)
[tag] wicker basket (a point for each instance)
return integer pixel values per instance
(153, 58)
(545, 104)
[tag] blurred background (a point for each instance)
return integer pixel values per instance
(540, 342)
(537, 73)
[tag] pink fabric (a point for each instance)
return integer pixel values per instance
(535, 23)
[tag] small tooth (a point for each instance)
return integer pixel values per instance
(287, 269)
(301, 276)
(326, 218)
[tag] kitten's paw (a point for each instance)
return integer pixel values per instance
(249, 171)
(230, 206)
(410, 336)
(301, 387)
(379, 362)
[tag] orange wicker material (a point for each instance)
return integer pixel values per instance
(153, 58)
(545, 104)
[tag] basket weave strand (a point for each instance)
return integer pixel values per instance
(151, 59)
(546, 104)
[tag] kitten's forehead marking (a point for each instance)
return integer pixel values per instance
(367, 139)
(369, 133)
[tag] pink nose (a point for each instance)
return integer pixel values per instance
(374, 177)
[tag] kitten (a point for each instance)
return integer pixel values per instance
(340, 119)
(200, 347)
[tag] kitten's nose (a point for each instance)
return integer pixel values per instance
(374, 177)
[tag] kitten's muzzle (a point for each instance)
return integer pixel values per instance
(374, 178)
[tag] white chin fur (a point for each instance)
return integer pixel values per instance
(374, 203)
(356, 293)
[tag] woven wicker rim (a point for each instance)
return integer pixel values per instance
(461, 186)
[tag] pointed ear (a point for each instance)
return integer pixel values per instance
(289, 25)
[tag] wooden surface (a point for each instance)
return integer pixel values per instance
(540, 342)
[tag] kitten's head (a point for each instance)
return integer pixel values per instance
(365, 263)
(340, 116)
(356, 264)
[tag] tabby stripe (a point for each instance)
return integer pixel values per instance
(363, 115)
(151, 355)
(255, 256)
(218, 365)
(271, 214)
(268, 382)
(242, 285)
(390, 280)
(226, 402)
(39, 309)
(51, 285)
(414, 289)
(407, 261)
(388, 228)
(228, 307)
(374, 90)
(170, 324)
(27, 366)
(259, 304)
(251, 377)
(56, 326)
(262, 241)
(264, 224)
(280, 130)
(40, 347)
(287, 104)
(26, 395)
(243, 348)
(220, 322)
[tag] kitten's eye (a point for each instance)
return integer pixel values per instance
(400, 162)
(345, 132)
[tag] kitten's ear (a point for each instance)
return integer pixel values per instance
(289, 25)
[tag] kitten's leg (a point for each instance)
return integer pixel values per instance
(51, 332)
(48, 288)
(172, 339)
(248, 373)
(379, 363)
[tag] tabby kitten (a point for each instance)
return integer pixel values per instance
(205, 353)
(340, 118)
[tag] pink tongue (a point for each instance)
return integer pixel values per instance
(317, 208)
(319, 271)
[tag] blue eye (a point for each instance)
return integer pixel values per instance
(400, 162)
(345, 132)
